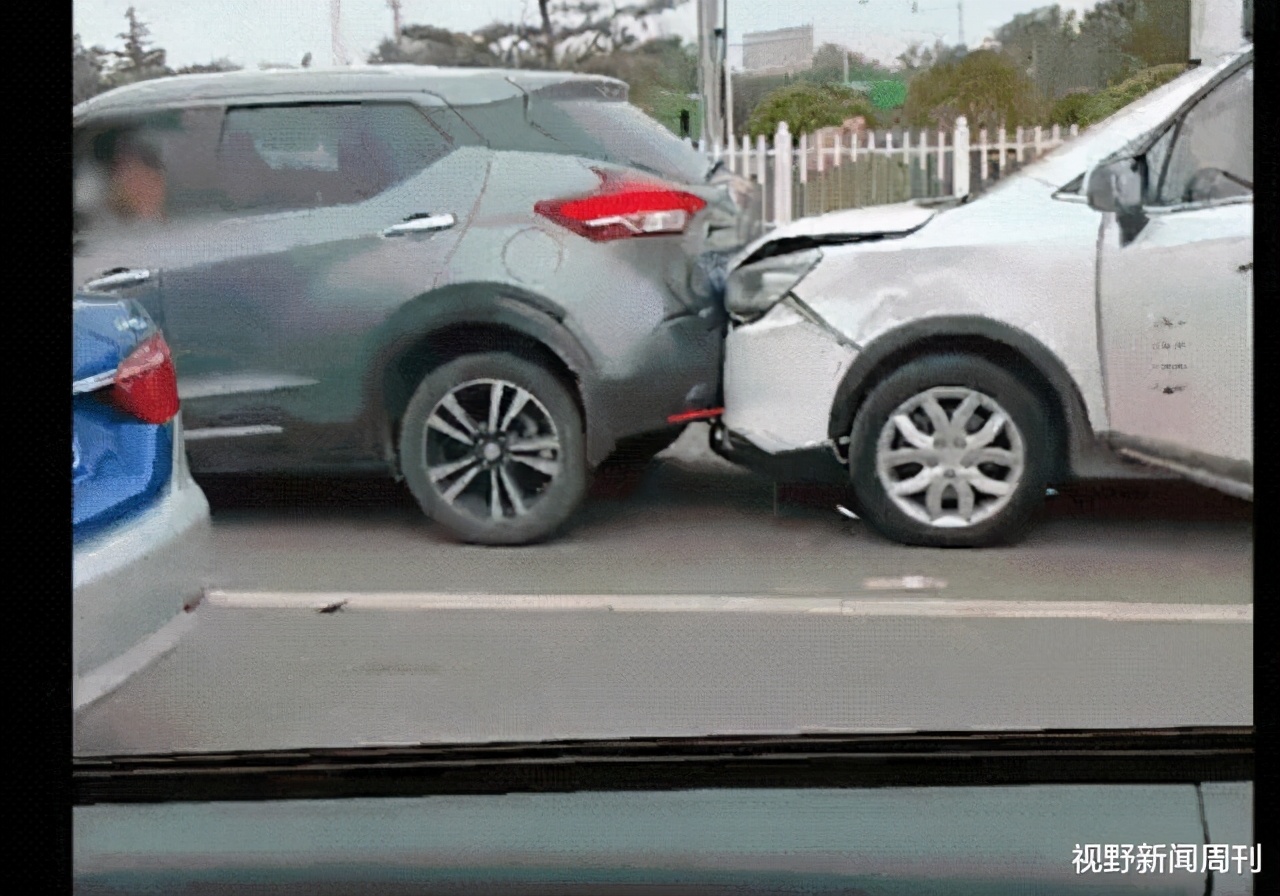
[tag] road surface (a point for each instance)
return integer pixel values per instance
(699, 602)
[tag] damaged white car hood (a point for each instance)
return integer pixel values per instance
(852, 224)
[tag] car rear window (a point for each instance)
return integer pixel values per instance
(619, 132)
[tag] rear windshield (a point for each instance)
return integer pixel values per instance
(621, 133)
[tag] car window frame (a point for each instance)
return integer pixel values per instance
(91, 128)
(451, 142)
(1174, 131)
(1073, 190)
(1148, 143)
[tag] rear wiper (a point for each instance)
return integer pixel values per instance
(715, 166)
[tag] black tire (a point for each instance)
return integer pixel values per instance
(1023, 407)
(551, 497)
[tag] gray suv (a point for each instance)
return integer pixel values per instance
(487, 282)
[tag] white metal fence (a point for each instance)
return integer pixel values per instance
(832, 171)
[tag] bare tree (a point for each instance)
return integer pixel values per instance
(138, 61)
(567, 33)
(87, 67)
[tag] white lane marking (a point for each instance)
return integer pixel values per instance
(904, 583)
(96, 684)
(1114, 611)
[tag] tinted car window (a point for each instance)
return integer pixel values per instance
(610, 131)
(178, 146)
(619, 132)
(1211, 155)
(307, 156)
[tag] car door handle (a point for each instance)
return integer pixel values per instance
(118, 277)
(420, 224)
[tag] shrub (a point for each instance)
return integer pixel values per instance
(807, 107)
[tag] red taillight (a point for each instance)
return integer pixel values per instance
(624, 209)
(146, 385)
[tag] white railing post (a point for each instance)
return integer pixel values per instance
(853, 147)
(762, 176)
(804, 158)
(924, 154)
(702, 145)
(839, 142)
(1075, 130)
(745, 167)
(907, 162)
(1055, 135)
(822, 151)
(942, 161)
(1037, 139)
(782, 174)
(960, 158)
(984, 147)
(1003, 149)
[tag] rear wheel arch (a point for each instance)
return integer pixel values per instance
(440, 327)
(1017, 352)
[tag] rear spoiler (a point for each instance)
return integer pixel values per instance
(588, 88)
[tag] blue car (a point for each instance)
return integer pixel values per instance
(140, 522)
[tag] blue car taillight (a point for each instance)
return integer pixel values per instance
(123, 441)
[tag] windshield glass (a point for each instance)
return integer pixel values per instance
(1060, 165)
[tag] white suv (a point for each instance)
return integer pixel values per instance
(953, 363)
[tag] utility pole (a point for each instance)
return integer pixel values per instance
(846, 67)
(395, 18)
(960, 7)
(709, 70)
(335, 31)
(724, 78)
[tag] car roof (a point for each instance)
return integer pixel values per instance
(470, 85)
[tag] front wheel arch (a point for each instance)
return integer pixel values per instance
(1071, 432)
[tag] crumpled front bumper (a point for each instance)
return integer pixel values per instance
(818, 464)
(781, 374)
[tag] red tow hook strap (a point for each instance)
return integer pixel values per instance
(689, 416)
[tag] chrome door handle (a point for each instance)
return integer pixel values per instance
(118, 277)
(421, 224)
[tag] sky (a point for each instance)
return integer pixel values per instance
(250, 32)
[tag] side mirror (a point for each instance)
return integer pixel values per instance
(1117, 187)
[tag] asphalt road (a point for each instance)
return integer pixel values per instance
(695, 600)
(694, 524)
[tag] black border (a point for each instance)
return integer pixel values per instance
(40, 594)
(39, 202)
(1158, 756)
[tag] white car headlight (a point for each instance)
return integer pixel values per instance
(755, 288)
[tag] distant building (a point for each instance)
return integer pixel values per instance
(776, 52)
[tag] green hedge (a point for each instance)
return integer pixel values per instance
(1085, 109)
